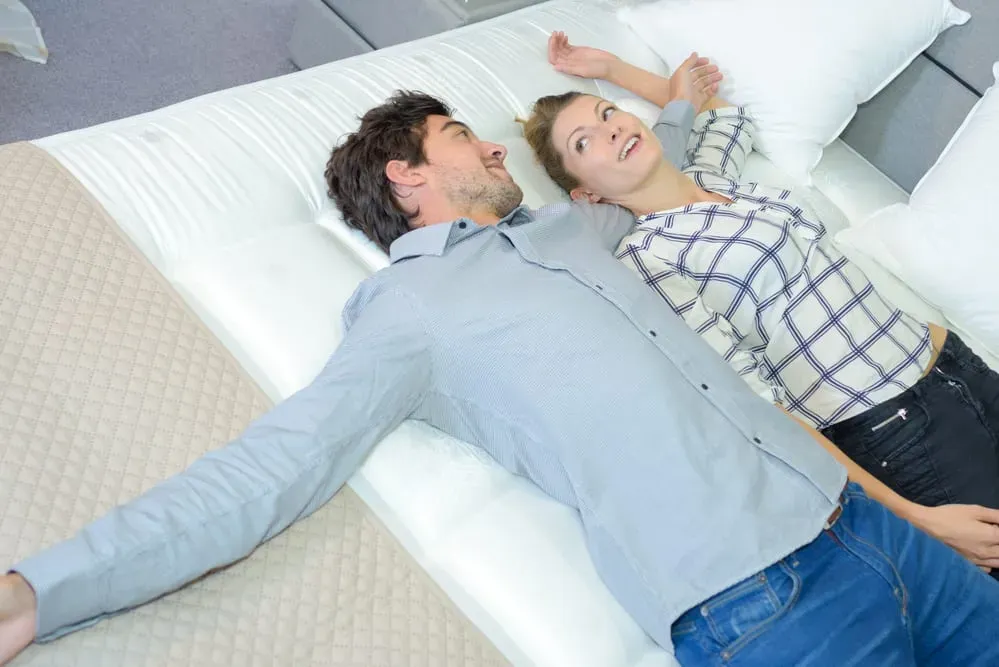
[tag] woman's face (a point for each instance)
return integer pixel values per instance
(610, 152)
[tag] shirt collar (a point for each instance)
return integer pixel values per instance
(436, 239)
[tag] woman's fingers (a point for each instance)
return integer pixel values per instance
(709, 80)
(556, 46)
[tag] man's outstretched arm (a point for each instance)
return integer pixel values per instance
(282, 468)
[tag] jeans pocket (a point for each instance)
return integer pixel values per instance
(891, 445)
(746, 611)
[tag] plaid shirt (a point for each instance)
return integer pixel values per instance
(811, 320)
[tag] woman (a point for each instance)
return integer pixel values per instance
(904, 399)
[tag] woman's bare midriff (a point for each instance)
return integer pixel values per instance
(938, 336)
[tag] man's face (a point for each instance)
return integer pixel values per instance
(468, 171)
(610, 152)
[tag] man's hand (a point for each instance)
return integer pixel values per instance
(695, 80)
(17, 616)
(970, 529)
(583, 61)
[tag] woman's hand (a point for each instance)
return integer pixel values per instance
(970, 529)
(583, 61)
(695, 80)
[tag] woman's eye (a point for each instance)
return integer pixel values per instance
(607, 112)
(581, 145)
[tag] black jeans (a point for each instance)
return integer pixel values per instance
(934, 443)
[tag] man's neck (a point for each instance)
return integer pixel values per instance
(481, 217)
(666, 188)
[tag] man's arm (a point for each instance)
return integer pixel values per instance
(282, 468)
(672, 129)
(610, 221)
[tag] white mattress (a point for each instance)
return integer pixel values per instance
(225, 195)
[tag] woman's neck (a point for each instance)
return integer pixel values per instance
(665, 189)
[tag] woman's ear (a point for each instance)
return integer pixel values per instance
(580, 194)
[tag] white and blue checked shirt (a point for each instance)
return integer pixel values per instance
(811, 319)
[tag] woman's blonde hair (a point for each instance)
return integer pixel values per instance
(538, 132)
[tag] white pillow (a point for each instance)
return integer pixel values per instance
(800, 66)
(944, 242)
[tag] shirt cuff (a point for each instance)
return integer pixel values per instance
(67, 580)
(679, 113)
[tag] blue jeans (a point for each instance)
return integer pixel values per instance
(871, 590)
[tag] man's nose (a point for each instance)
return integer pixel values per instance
(496, 151)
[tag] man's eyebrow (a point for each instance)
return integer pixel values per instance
(596, 112)
(454, 123)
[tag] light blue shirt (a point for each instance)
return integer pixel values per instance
(530, 340)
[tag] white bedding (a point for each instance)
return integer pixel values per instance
(225, 195)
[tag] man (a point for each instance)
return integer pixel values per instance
(521, 333)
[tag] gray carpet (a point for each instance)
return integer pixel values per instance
(115, 58)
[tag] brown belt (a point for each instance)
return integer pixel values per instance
(834, 517)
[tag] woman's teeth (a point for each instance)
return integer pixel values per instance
(627, 147)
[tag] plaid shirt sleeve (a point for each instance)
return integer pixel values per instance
(681, 295)
(720, 143)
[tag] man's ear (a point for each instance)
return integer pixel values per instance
(579, 194)
(405, 182)
(400, 173)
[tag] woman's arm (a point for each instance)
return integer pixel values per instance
(969, 529)
(695, 80)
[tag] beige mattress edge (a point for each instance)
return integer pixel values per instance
(109, 383)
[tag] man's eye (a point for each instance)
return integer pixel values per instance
(581, 145)
(608, 111)
(464, 133)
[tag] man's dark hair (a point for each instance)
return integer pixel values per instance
(355, 173)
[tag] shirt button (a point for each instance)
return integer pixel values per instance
(704, 387)
(462, 225)
(652, 333)
(757, 441)
(600, 286)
